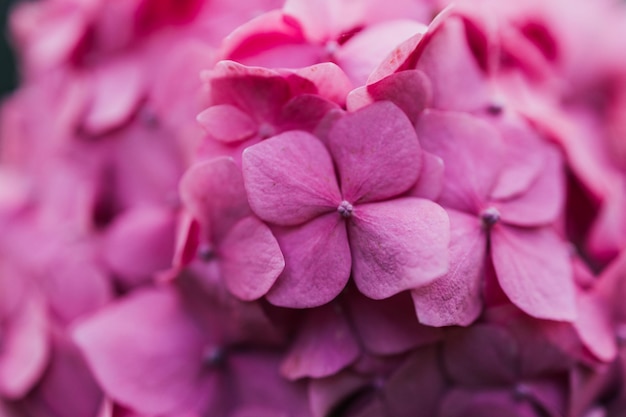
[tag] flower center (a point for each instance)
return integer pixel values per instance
(345, 209)
(205, 253)
(490, 216)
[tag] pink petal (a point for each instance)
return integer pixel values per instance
(452, 68)
(430, 182)
(304, 112)
(213, 192)
(317, 263)
(409, 90)
(455, 298)
(398, 245)
(594, 326)
(325, 345)
(535, 272)
(543, 200)
(362, 53)
(258, 92)
(250, 259)
(118, 88)
(390, 326)
(398, 58)
(325, 394)
(472, 153)
(331, 82)
(290, 179)
(377, 153)
(140, 242)
(227, 123)
(25, 350)
(136, 362)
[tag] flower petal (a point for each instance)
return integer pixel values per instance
(472, 153)
(324, 346)
(227, 123)
(290, 179)
(410, 90)
(389, 327)
(212, 191)
(135, 361)
(398, 245)
(376, 151)
(250, 259)
(317, 263)
(534, 270)
(455, 298)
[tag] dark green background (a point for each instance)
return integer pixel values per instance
(8, 74)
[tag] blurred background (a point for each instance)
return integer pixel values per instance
(8, 74)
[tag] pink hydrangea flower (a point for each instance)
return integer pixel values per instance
(353, 220)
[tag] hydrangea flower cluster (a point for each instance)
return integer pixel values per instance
(314, 209)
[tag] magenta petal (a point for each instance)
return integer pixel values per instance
(317, 263)
(212, 191)
(290, 179)
(472, 152)
(227, 123)
(398, 245)
(376, 151)
(250, 259)
(534, 270)
(455, 298)
(325, 345)
(389, 327)
(136, 362)
(327, 393)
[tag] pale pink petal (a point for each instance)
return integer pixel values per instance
(250, 259)
(534, 270)
(213, 192)
(117, 90)
(430, 182)
(452, 68)
(398, 245)
(410, 90)
(136, 362)
(594, 326)
(25, 351)
(331, 82)
(455, 298)
(317, 263)
(324, 346)
(290, 179)
(542, 201)
(362, 53)
(227, 123)
(377, 153)
(472, 153)
(398, 59)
